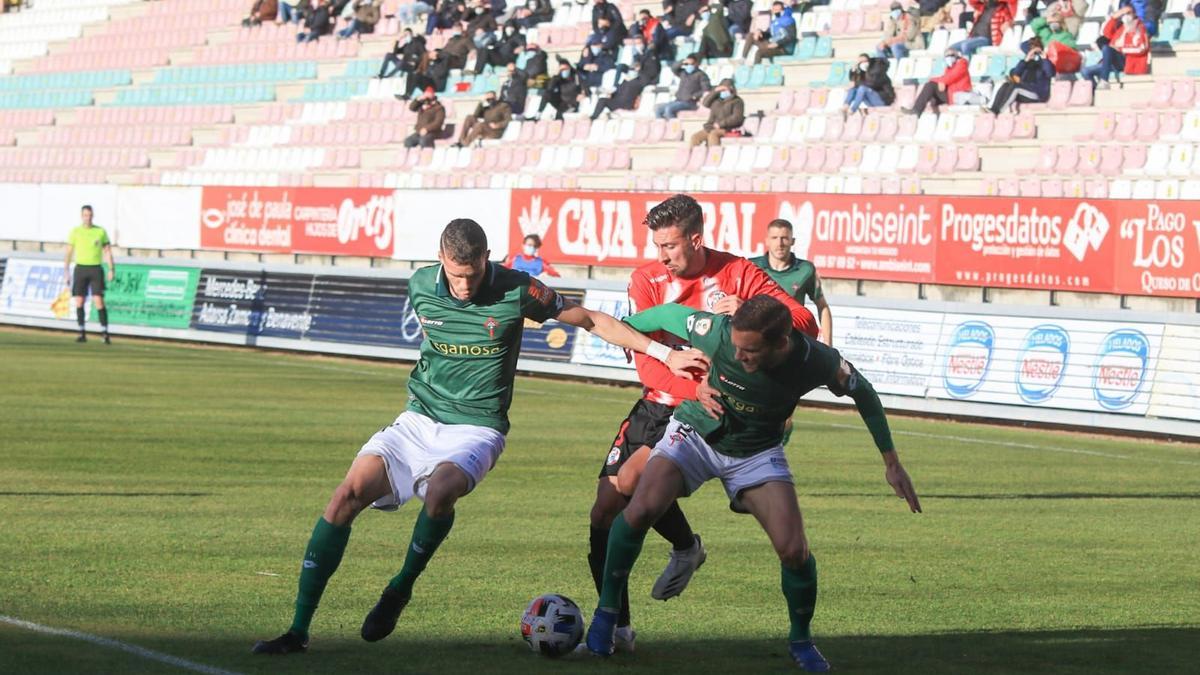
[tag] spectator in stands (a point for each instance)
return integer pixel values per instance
(263, 10)
(715, 41)
(366, 15)
(458, 48)
(1070, 11)
(933, 13)
(407, 12)
(515, 89)
(645, 62)
(562, 91)
(431, 120)
(535, 65)
(726, 113)
(481, 25)
(693, 84)
(435, 74)
(871, 86)
(629, 91)
(497, 8)
(1050, 28)
(949, 88)
(319, 23)
(1124, 48)
(528, 260)
(655, 35)
(533, 13)
(490, 119)
(608, 35)
(405, 56)
(289, 11)
(901, 32)
(1029, 81)
(449, 14)
(592, 66)
(504, 50)
(1148, 12)
(992, 18)
(604, 8)
(681, 16)
(738, 16)
(778, 39)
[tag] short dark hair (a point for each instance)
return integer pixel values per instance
(537, 241)
(765, 315)
(780, 223)
(463, 241)
(679, 210)
(694, 56)
(88, 208)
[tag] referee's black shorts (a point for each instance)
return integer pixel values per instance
(88, 276)
(645, 426)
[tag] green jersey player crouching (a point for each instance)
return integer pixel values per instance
(472, 312)
(760, 368)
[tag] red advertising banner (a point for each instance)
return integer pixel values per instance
(1102, 246)
(331, 221)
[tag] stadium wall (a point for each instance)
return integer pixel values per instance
(1124, 371)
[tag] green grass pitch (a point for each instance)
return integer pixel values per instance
(161, 495)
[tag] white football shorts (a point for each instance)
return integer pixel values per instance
(699, 463)
(414, 445)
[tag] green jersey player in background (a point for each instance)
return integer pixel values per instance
(473, 313)
(761, 366)
(798, 277)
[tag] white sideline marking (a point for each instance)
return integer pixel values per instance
(116, 644)
(1023, 446)
(267, 574)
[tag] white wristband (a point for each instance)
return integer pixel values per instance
(658, 351)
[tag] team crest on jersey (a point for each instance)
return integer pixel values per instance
(702, 326)
(613, 456)
(491, 324)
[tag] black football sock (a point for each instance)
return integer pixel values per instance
(674, 527)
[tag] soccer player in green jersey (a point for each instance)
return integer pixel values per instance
(761, 366)
(472, 313)
(90, 246)
(798, 277)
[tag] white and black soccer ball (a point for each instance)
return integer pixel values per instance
(552, 625)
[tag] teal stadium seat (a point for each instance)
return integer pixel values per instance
(758, 75)
(774, 76)
(1190, 32)
(741, 77)
(804, 50)
(839, 74)
(824, 48)
(1169, 29)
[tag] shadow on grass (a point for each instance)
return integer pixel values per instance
(1071, 652)
(104, 494)
(1025, 496)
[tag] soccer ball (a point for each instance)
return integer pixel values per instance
(552, 625)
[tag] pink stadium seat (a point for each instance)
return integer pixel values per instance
(1024, 126)
(990, 187)
(766, 127)
(834, 156)
(697, 159)
(905, 128)
(605, 161)
(622, 158)
(814, 158)
(947, 156)
(851, 130)
(891, 185)
(870, 128)
(1074, 188)
(779, 159)
(1147, 126)
(1052, 187)
(888, 127)
(779, 183)
(712, 158)
(833, 128)
(1029, 187)
(797, 159)
(743, 184)
(1110, 160)
(1081, 96)
(910, 185)
(1060, 94)
(783, 104)
(800, 101)
(1102, 129)
(726, 184)
(751, 125)
(641, 132)
(1089, 160)
(926, 160)
(984, 125)
(1126, 128)
(872, 185)
(1183, 92)
(905, 95)
(1133, 157)
(1047, 159)
(968, 158)
(817, 99)
(797, 184)
(1097, 189)
(1170, 123)
(682, 155)
(1160, 97)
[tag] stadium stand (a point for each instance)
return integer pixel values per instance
(180, 93)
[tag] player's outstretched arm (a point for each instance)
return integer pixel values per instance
(612, 331)
(849, 382)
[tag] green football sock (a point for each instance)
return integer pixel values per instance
(800, 590)
(428, 534)
(624, 546)
(321, 560)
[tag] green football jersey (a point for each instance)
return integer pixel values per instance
(758, 404)
(469, 355)
(88, 244)
(799, 279)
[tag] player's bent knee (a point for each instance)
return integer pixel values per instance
(639, 517)
(627, 480)
(608, 504)
(793, 553)
(346, 503)
(439, 501)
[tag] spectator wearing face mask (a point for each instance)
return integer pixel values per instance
(1028, 81)
(608, 35)
(992, 19)
(529, 261)
(655, 35)
(431, 120)
(515, 89)
(480, 19)
(433, 73)
(536, 65)
(901, 32)
(693, 84)
(739, 14)
(715, 40)
(1050, 29)
(533, 13)
(777, 40)
(458, 48)
(954, 83)
(504, 50)
(726, 113)
(449, 14)
(562, 91)
(646, 69)
(319, 23)
(605, 9)
(872, 88)
(490, 119)
(1124, 48)
(1148, 12)
(593, 64)
(405, 56)
(682, 15)
(646, 62)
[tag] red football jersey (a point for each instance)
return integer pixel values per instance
(724, 274)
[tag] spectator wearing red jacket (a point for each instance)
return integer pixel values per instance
(943, 89)
(1124, 48)
(992, 18)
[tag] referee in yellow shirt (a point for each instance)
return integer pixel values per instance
(90, 246)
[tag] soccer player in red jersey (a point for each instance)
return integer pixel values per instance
(686, 273)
